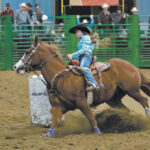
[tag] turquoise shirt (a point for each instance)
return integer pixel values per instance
(85, 45)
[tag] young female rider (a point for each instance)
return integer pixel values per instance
(84, 53)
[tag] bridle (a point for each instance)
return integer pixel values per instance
(28, 66)
(27, 62)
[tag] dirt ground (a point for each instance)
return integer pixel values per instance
(16, 131)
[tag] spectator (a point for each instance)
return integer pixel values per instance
(37, 15)
(119, 18)
(29, 6)
(8, 11)
(134, 11)
(22, 16)
(85, 21)
(105, 18)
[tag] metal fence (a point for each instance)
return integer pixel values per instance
(130, 41)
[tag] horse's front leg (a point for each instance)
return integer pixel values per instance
(57, 111)
(86, 110)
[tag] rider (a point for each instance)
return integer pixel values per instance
(84, 52)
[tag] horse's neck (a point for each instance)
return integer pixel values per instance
(50, 69)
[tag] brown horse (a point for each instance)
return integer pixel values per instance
(67, 90)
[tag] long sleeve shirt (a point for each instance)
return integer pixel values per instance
(22, 17)
(90, 25)
(105, 18)
(37, 16)
(85, 45)
(8, 12)
(117, 17)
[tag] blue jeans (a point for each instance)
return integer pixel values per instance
(86, 62)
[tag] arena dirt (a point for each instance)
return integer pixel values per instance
(75, 133)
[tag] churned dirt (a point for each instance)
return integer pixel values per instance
(75, 133)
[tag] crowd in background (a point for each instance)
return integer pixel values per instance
(24, 15)
(106, 19)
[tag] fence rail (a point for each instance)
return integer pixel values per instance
(130, 41)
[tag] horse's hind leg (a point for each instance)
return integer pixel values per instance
(115, 101)
(86, 110)
(142, 100)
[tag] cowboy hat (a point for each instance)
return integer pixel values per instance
(105, 5)
(80, 27)
(85, 21)
(23, 5)
(29, 5)
(134, 9)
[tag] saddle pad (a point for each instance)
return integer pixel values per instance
(98, 66)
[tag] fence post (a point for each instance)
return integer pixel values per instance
(8, 40)
(134, 38)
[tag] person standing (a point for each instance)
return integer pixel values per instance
(22, 16)
(37, 15)
(119, 18)
(29, 6)
(105, 17)
(84, 53)
(8, 11)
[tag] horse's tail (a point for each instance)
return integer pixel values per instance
(145, 84)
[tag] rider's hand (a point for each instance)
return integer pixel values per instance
(78, 16)
(91, 16)
(69, 56)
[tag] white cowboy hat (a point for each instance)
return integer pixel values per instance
(85, 21)
(105, 5)
(134, 9)
(23, 5)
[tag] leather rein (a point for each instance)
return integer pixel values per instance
(40, 66)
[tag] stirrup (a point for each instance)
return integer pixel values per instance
(92, 87)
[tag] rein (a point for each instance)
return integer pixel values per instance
(40, 67)
(46, 61)
(28, 61)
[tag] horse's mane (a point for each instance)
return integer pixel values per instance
(53, 49)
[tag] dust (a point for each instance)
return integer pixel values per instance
(121, 120)
(75, 133)
(74, 123)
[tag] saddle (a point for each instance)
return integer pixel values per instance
(95, 67)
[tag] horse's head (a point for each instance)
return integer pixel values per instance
(34, 57)
(30, 59)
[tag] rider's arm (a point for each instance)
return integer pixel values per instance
(78, 21)
(91, 23)
(83, 47)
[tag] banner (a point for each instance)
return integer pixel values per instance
(93, 2)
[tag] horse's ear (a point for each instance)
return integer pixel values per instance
(36, 40)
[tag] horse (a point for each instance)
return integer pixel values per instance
(67, 91)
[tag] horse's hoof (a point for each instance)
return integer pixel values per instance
(97, 130)
(50, 133)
